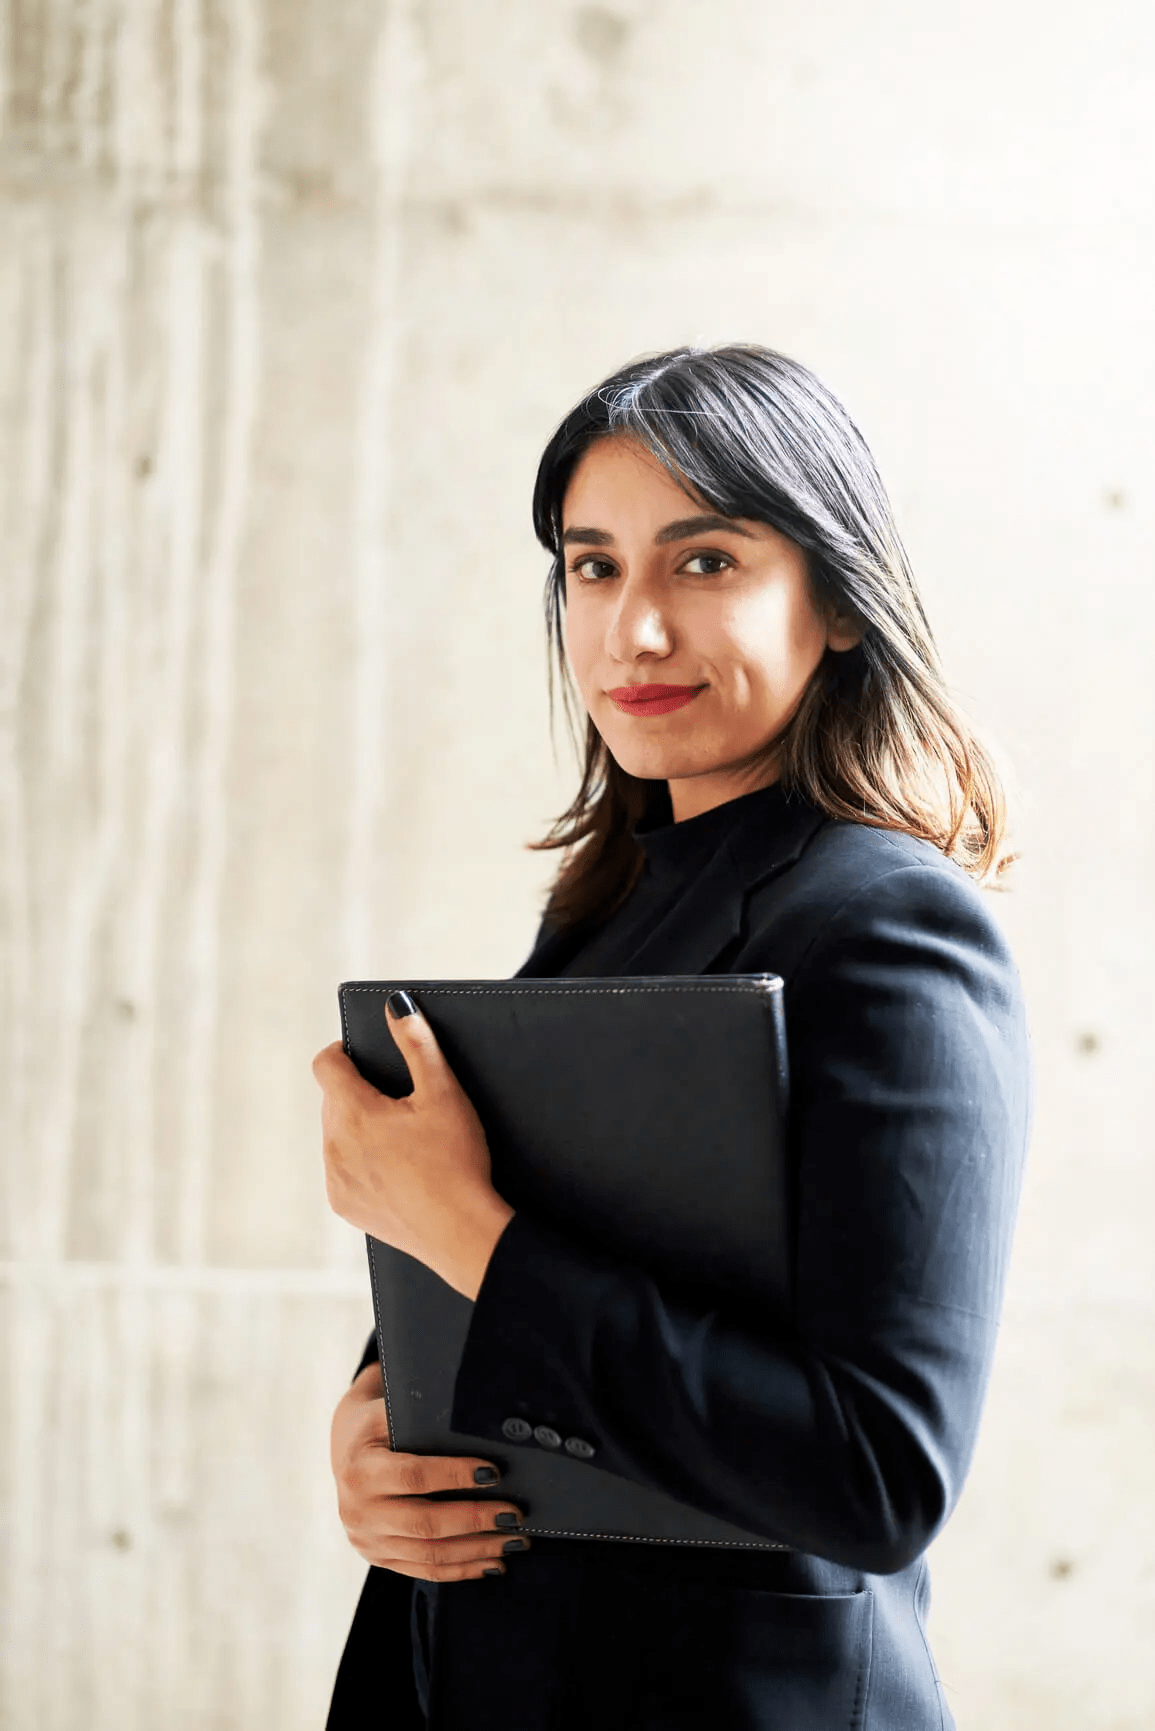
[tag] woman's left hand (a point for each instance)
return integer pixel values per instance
(413, 1172)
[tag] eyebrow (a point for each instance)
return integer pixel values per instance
(681, 530)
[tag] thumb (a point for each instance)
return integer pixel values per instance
(417, 1043)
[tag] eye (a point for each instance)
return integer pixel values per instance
(591, 569)
(705, 564)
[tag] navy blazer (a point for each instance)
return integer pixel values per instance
(847, 1434)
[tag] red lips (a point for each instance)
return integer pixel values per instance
(653, 699)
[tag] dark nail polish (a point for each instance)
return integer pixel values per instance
(512, 1545)
(400, 1005)
(485, 1475)
(496, 1570)
(507, 1518)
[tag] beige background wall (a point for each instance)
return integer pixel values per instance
(290, 295)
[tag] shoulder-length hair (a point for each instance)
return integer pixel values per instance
(876, 737)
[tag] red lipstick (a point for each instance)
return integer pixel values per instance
(653, 699)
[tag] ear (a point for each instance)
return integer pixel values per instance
(843, 631)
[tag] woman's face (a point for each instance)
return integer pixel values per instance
(691, 636)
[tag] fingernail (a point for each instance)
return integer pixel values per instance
(507, 1518)
(400, 1005)
(496, 1570)
(485, 1475)
(512, 1545)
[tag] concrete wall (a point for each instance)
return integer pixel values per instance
(290, 295)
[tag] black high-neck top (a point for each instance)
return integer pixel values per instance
(675, 855)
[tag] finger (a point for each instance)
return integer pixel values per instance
(368, 1384)
(390, 1552)
(402, 1475)
(338, 1076)
(417, 1043)
(369, 1430)
(327, 1061)
(429, 1523)
(448, 1572)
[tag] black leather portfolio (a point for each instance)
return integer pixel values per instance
(642, 1118)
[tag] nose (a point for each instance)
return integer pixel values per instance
(639, 626)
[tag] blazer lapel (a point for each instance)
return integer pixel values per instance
(709, 918)
(700, 926)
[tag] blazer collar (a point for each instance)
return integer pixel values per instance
(770, 837)
(773, 835)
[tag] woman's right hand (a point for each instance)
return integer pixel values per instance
(381, 1497)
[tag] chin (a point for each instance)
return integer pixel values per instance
(661, 755)
(657, 765)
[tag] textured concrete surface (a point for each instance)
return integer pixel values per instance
(290, 296)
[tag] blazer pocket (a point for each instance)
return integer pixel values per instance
(800, 1661)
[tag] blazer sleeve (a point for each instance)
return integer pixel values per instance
(845, 1431)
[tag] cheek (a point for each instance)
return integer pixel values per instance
(581, 641)
(771, 642)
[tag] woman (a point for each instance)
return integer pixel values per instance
(776, 781)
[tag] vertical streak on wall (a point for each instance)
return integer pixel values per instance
(5, 63)
(90, 81)
(392, 100)
(170, 544)
(26, 512)
(171, 550)
(63, 571)
(30, 388)
(236, 419)
(23, 1589)
(104, 1601)
(188, 95)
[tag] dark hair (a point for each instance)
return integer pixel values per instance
(876, 737)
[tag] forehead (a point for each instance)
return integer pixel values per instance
(620, 489)
(618, 474)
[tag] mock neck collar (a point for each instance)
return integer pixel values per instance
(676, 848)
(758, 835)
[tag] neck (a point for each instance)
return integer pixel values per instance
(694, 794)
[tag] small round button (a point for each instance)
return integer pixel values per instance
(548, 1438)
(579, 1448)
(516, 1429)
